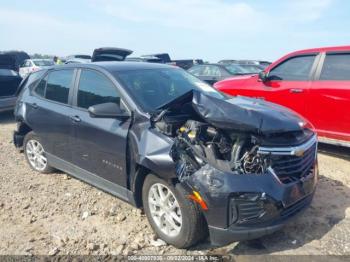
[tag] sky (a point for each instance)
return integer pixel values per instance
(206, 29)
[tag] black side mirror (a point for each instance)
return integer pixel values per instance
(108, 110)
(263, 76)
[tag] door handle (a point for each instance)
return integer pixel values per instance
(75, 118)
(34, 105)
(296, 90)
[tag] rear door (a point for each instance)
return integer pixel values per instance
(330, 96)
(289, 83)
(100, 143)
(49, 110)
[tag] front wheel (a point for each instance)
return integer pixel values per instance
(174, 218)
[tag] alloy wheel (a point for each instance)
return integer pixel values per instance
(36, 155)
(165, 209)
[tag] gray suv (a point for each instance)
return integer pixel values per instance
(195, 160)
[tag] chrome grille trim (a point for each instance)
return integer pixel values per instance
(289, 151)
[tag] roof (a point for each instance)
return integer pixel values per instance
(324, 49)
(310, 51)
(118, 66)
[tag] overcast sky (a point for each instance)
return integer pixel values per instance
(208, 29)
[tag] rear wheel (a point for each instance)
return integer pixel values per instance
(35, 154)
(174, 218)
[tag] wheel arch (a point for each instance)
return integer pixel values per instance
(22, 130)
(139, 178)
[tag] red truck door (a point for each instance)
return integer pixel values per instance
(289, 82)
(330, 96)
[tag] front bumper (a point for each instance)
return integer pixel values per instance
(223, 236)
(262, 204)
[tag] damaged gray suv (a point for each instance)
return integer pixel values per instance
(198, 162)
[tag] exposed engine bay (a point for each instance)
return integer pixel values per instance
(198, 143)
(228, 135)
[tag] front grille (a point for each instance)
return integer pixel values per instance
(292, 168)
(290, 164)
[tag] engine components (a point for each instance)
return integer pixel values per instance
(198, 143)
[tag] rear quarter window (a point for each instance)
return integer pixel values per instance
(31, 80)
(41, 87)
(58, 85)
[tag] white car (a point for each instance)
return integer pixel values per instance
(32, 65)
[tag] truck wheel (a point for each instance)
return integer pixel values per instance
(35, 154)
(174, 218)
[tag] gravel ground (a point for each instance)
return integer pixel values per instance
(55, 214)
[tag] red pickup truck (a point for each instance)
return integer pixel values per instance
(315, 83)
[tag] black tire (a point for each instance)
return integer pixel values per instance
(32, 136)
(194, 227)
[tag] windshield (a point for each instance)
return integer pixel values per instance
(236, 69)
(43, 62)
(152, 88)
(253, 69)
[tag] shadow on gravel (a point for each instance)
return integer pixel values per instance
(7, 118)
(332, 150)
(328, 209)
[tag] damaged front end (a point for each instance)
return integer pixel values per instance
(254, 163)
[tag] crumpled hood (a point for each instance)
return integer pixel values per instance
(239, 113)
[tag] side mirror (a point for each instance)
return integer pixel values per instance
(108, 110)
(263, 76)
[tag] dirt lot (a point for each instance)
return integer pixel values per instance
(53, 214)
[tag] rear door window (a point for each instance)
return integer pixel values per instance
(95, 88)
(336, 67)
(58, 85)
(40, 88)
(294, 69)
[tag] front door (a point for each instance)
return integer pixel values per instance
(100, 143)
(288, 83)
